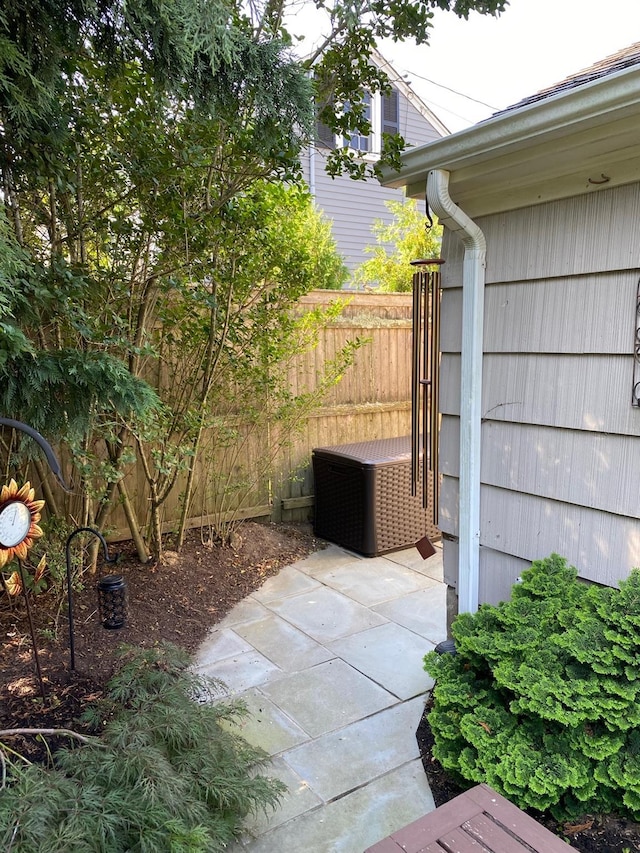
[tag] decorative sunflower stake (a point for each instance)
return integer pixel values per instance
(19, 517)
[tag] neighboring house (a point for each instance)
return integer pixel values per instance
(540, 424)
(352, 206)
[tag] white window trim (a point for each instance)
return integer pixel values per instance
(375, 137)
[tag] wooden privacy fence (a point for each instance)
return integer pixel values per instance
(372, 401)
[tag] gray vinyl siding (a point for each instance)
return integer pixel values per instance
(560, 440)
(353, 206)
(498, 571)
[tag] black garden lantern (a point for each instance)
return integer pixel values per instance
(112, 601)
(114, 615)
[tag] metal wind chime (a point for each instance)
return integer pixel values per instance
(425, 362)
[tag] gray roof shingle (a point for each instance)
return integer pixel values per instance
(624, 58)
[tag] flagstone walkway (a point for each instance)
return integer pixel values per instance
(328, 657)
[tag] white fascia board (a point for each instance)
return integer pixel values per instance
(522, 129)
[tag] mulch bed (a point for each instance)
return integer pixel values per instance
(590, 833)
(178, 599)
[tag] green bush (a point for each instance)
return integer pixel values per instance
(164, 776)
(542, 700)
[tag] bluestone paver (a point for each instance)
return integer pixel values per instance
(328, 657)
(399, 669)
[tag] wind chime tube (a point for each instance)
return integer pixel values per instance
(424, 379)
(426, 382)
(434, 430)
(415, 382)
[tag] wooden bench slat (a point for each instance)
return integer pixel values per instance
(520, 823)
(390, 845)
(493, 836)
(458, 840)
(425, 830)
(477, 821)
(387, 845)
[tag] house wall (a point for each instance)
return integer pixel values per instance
(352, 206)
(560, 440)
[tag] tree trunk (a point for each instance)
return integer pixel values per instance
(132, 521)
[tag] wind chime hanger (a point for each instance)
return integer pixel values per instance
(425, 262)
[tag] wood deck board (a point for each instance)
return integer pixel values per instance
(517, 821)
(492, 835)
(458, 840)
(477, 821)
(429, 828)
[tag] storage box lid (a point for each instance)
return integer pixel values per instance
(379, 452)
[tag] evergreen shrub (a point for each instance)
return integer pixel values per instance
(167, 774)
(542, 699)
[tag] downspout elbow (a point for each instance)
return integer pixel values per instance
(473, 280)
(452, 216)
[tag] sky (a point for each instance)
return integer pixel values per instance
(532, 45)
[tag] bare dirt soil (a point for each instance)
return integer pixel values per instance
(178, 599)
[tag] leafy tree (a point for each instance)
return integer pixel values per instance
(406, 239)
(342, 69)
(135, 139)
(192, 269)
(80, 81)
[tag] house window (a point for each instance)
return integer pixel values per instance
(358, 141)
(382, 112)
(324, 135)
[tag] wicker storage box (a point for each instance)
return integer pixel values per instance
(363, 497)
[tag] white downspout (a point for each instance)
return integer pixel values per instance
(312, 170)
(475, 248)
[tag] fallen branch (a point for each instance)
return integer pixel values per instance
(65, 732)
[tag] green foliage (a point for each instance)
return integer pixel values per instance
(204, 51)
(405, 239)
(542, 700)
(138, 142)
(342, 70)
(168, 773)
(62, 392)
(152, 229)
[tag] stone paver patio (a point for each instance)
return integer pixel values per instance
(328, 657)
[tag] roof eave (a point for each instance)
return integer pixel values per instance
(517, 133)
